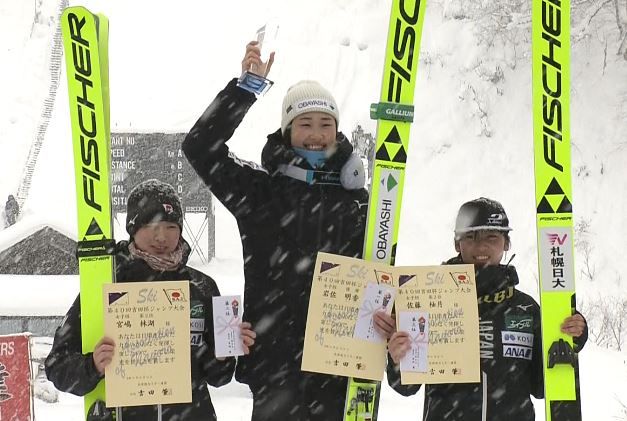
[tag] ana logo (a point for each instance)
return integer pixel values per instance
(513, 351)
(168, 208)
(495, 219)
(555, 238)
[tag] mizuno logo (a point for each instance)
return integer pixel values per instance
(524, 308)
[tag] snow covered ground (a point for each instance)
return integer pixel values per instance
(168, 60)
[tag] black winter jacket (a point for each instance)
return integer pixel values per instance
(72, 371)
(510, 371)
(283, 223)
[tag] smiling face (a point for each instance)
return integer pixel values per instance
(158, 239)
(482, 248)
(314, 131)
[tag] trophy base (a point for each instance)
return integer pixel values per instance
(256, 84)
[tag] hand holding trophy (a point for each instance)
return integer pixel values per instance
(258, 61)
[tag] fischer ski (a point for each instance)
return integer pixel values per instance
(554, 219)
(394, 114)
(85, 41)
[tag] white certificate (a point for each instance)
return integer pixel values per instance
(227, 316)
(377, 297)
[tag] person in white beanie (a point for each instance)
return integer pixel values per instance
(307, 196)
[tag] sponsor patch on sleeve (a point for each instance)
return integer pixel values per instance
(519, 322)
(517, 338)
(197, 322)
(514, 351)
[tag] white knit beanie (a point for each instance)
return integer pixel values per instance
(304, 97)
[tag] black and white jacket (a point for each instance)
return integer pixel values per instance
(283, 222)
(72, 371)
(511, 361)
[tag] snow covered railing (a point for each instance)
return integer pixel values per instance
(48, 105)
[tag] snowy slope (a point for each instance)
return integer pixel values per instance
(168, 62)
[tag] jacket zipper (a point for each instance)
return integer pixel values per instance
(321, 217)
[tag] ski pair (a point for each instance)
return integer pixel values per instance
(394, 114)
(552, 157)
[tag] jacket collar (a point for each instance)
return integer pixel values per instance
(122, 252)
(491, 279)
(277, 152)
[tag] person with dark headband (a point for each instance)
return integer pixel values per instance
(155, 251)
(306, 196)
(508, 379)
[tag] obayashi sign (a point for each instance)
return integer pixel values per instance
(16, 395)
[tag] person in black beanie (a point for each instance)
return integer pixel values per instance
(511, 357)
(155, 251)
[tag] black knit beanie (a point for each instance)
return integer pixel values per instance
(152, 201)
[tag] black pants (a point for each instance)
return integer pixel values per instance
(300, 397)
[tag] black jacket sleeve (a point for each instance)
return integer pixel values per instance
(536, 374)
(66, 366)
(236, 183)
(580, 341)
(394, 380)
(217, 373)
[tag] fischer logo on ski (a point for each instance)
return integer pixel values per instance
(403, 47)
(82, 59)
